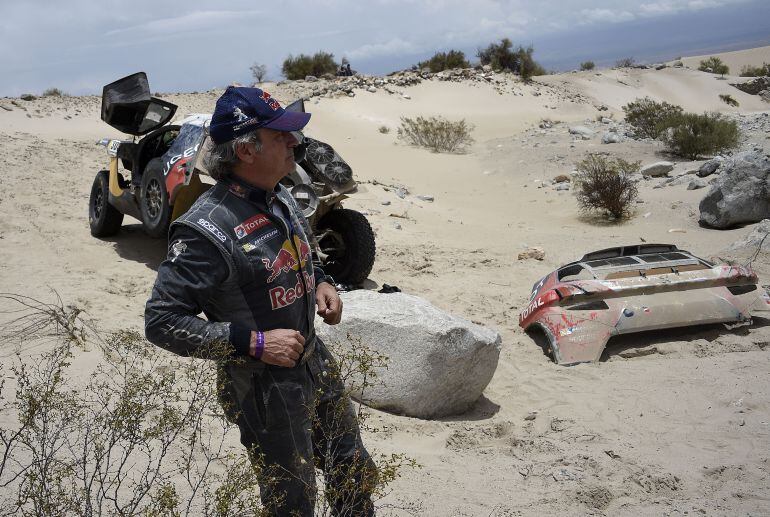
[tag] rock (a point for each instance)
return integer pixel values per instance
(581, 131)
(371, 89)
(311, 78)
(606, 120)
(696, 184)
(562, 178)
(438, 364)
(562, 186)
(610, 137)
(351, 94)
(657, 169)
(740, 194)
(406, 96)
(425, 198)
(385, 203)
(754, 86)
(758, 236)
(660, 67)
(709, 167)
(532, 253)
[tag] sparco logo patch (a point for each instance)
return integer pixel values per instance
(208, 225)
(251, 224)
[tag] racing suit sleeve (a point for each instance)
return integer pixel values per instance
(189, 276)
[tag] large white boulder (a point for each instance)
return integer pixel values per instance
(438, 364)
(741, 193)
(657, 169)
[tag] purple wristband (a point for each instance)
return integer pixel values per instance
(260, 345)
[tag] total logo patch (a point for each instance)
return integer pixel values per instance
(250, 225)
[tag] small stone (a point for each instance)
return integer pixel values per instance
(562, 186)
(311, 78)
(406, 96)
(696, 184)
(532, 253)
(531, 415)
(386, 203)
(425, 198)
(397, 226)
(371, 89)
(562, 178)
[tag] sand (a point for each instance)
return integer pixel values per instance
(683, 429)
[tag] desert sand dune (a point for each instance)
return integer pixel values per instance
(684, 429)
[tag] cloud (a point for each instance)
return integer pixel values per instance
(392, 47)
(605, 16)
(189, 22)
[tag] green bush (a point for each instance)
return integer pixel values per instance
(436, 133)
(691, 135)
(445, 61)
(729, 100)
(301, 66)
(606, 185)
(53, 92)
(384, 130)
(755, 71)
(587, 65)
(626, 62)
(502, 56)
(647, 116)
(714, 65)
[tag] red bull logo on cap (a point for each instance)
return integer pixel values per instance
(287, 260)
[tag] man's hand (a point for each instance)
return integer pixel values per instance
(282, 347)
(329, 303)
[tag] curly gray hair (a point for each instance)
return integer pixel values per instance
(221, 158)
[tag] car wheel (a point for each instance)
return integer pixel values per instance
(346, 237)
(103, 218)
(155, 208)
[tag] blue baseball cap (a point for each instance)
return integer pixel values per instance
(241, 110)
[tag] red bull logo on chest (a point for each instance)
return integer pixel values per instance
(287, 259)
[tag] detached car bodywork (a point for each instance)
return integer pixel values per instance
(623, 290)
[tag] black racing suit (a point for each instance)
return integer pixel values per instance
(246, 268)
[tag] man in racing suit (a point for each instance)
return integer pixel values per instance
(241, 256)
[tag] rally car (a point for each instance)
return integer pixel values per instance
(628, 289)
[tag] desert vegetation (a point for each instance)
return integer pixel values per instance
(445, 61)
(502, 56)
(587, 65)
(692, 135)
(53, 92)
(436, 133)
(625, 62)
(299, 67)
(729, 99)
(713, 65)
(755, 71)
(648, 117)
(142, 433)
(606, 185)
(259, 71)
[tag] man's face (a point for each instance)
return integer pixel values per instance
(276, 158)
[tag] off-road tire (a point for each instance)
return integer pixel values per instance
(349, 244)
(153, 203)
(103, 218)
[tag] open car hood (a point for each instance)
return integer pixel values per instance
(128, 106)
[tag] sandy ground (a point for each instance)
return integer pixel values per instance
(683, 430)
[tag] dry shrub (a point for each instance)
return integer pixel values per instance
(714, 65)
(626, 62)
(302, 65)
(691, 135)
(436, 133)
(143, 433)
(445, 61)
(755, 71)
(384, 130)
(53, 92)
(729, 99)
(587, 65)
(648, 116)
(606, 184)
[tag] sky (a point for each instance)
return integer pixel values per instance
(80, 45)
